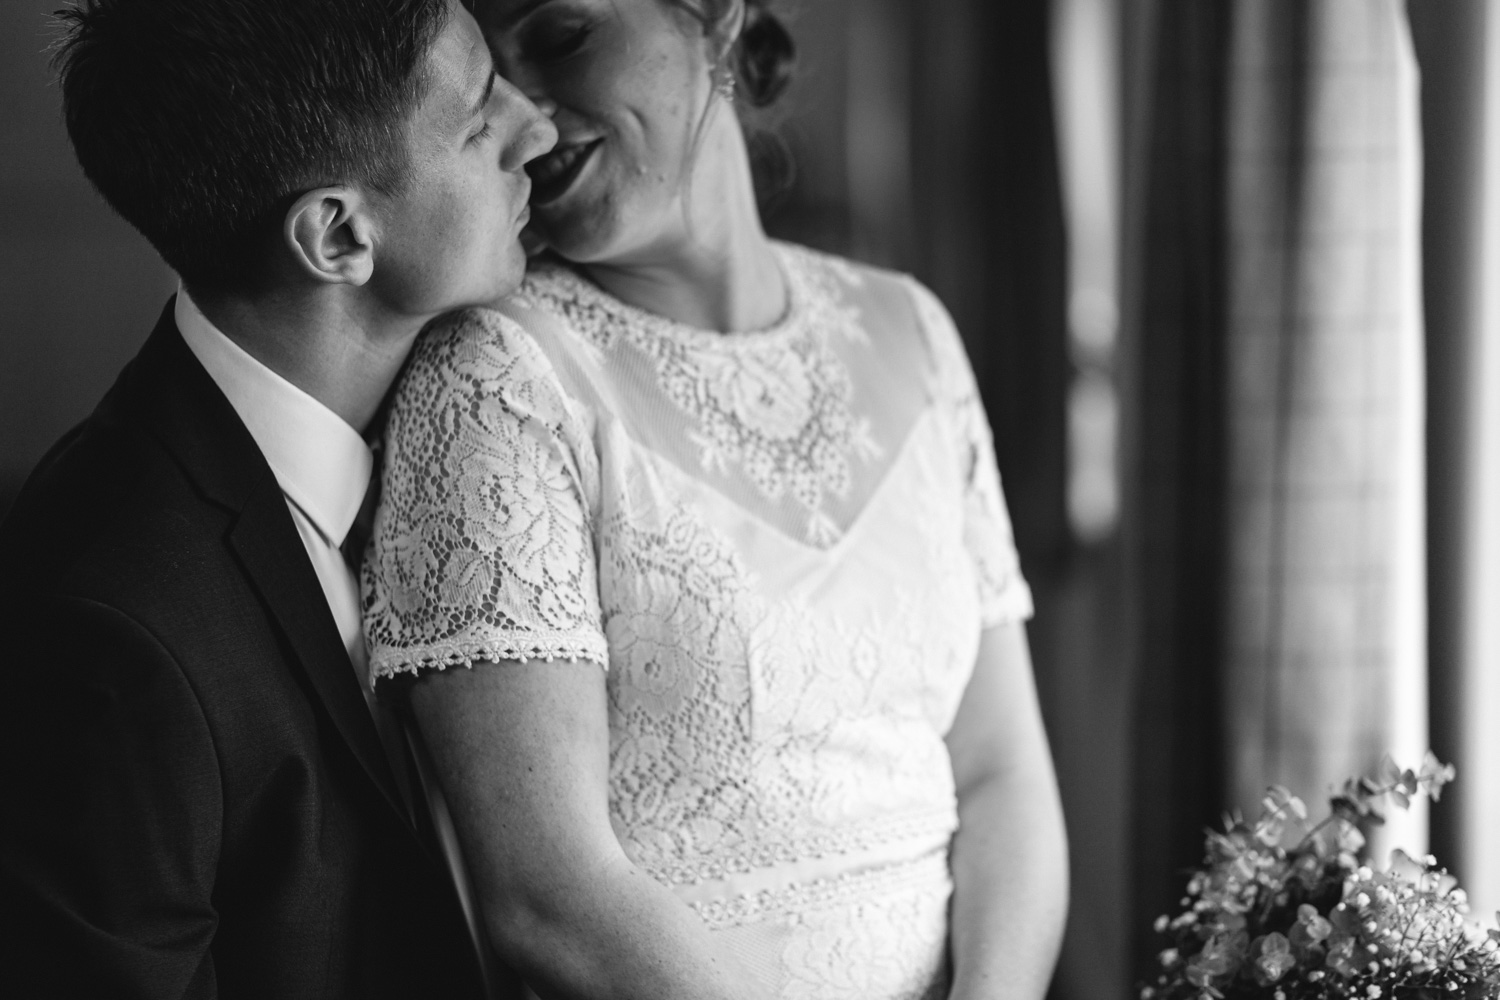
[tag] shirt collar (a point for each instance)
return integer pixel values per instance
(321, 463)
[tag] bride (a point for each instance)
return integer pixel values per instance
(716, 524)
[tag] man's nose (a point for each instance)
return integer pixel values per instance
(532, 133)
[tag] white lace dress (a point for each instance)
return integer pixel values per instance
(782, 546)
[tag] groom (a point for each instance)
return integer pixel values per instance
(197, 797)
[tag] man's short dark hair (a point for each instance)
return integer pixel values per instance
(200, 121)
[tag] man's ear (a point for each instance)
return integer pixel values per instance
(331, 236)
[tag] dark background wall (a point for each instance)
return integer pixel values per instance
(79, 289)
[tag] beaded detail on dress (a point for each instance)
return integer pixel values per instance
(778, 692)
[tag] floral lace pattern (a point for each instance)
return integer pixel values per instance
(716, 690)
(782, 418)
(882, 932)
(890, 946)
(1003, 593)
(774, 707)
(449, 582)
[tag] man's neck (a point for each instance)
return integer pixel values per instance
(343, 356)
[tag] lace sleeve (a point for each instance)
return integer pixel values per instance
(483, 544)
(1003, 592)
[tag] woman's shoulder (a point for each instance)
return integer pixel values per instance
(480, 340)
(488, 354)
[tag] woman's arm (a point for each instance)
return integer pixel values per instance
(522, 753)
(1010, 855)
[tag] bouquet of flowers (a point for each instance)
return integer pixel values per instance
(1263, 921)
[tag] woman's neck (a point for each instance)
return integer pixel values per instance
(718, 270)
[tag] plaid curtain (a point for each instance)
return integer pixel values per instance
(1325, 660)
(1273, 385)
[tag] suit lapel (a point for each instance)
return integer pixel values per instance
(272, 553)
(188, 413)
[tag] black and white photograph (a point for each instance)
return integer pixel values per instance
(750, 499)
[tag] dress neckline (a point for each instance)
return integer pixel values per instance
(791, 325)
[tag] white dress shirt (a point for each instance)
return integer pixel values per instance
(321, 463)
(323, 467)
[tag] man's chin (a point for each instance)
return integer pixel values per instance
(508, 275)
(500, 277)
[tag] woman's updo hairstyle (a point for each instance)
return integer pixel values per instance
(764, 56)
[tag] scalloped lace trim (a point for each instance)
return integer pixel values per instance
(442, 655)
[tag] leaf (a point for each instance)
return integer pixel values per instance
(1406, 866)
(1349, 837)
(1402, 799)
(1435, 774)
(1268, 831)
(1274, 944)
(1345, 808)
(1388, 773)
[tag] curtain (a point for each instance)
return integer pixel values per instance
(1171, 366)
(1272, 375)
(1458, 46)
(1325, 666)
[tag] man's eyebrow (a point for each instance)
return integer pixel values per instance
(516, 16)
(484, 98)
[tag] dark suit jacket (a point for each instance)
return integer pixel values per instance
(194, 801)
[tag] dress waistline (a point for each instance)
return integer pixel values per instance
(730, 903)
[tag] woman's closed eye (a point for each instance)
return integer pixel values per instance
(553, 41)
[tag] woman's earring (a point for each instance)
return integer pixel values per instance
(724, 82)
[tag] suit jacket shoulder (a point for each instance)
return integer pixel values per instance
(193, 800)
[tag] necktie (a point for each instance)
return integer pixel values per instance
(358, 538)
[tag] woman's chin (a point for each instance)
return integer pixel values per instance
(574, 234)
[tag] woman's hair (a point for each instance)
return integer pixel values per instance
(763, 60)
(764, 56)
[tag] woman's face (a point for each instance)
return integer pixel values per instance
(630, 81)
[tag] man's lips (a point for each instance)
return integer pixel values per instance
(553, 174)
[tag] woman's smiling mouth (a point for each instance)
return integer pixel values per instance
(552, 175)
